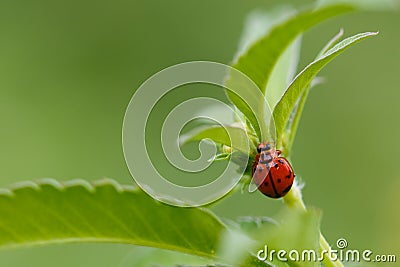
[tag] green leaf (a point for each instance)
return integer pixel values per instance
(222, 157)
(234, 246)
(145, 256)
(77, 211)
(262, 56)
(257, 25)
(331, 43)
(301, 83)
(251, 225)
(197, 123)
(383, 5)
(259, 61)
(283, 73)
(49, 212)
(232, 136)
(298, 108)
(298, 230)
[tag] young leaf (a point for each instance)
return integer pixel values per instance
(331, 43)
(259, 24)
(298, 108)
(283, 73)
(231, 136)
(302, 81)
(261, 57)
(383, 5)
(259, 61)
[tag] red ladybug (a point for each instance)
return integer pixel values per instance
(272, 174)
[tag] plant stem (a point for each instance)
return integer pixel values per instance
(294, 200)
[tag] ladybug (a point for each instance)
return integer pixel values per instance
(272, 174)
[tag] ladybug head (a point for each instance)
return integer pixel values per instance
(263, 147)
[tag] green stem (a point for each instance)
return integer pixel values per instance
(294, 200)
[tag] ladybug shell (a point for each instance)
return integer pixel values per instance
(273, 179)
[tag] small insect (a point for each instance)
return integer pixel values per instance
(272, 174)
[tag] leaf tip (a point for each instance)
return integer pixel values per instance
(373, 33)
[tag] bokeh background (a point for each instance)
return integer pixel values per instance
(69, 68)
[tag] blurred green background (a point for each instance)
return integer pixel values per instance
(69, 68)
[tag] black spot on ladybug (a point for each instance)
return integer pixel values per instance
(276, 165)
(266, 184)
(279, 180)
(288, 176)
(287, 189)
(281, 161)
